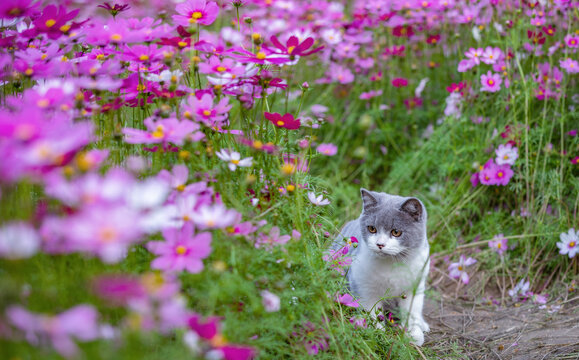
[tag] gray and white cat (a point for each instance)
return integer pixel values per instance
(391, 262)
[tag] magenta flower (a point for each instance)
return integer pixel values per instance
(499, 244)
(286, 121)
(399, 82)
(221, 67)
(294, 48)
(181, 251)
(209, 331)
(78, 323)
(457, 270)
(327, 149)
(340, 74)
(194, 12)
(263, 56)
(18, 8)
(347, 300)
(572, 41)
(502, 174)
(53, 22)
(490, 82)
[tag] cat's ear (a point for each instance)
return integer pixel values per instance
(413, 207)
(369, 201)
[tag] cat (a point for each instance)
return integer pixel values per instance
(391, 262)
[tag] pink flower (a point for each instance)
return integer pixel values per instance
(181, 251)
(347, 300)
(327, 149)
(491, 55)
(340, 74)
(457, 270)
(215, 216)
(358, 322)
(78, 323)
(499, 244)
(161, 131)
(399, 82)
(293, 47)
(465, 65)
(203, 110)
(270, 301)
(194, 12)
(474, 55)
(570, 65)
(274, 238)
(490, 82)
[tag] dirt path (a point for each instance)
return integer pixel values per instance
(487, 332)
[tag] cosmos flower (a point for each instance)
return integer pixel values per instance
(192, 12)
(271, 302)
(521, 289)
(268, 241)
(570, 65)
(285, 121)
(347, 300)
(506, 154)
(18, 240)
(327, 149)
(457, 270)
(233, 158)
(491, 55)
(499, 244)
(569, 244)
(399, 82)
(319, 201)
(181, 250)
(78, 323)
(490, 82)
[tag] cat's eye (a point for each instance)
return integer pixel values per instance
(396, 232)
(372, 229)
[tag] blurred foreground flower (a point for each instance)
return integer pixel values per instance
(270, 301)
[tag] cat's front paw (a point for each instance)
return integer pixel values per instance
(423, 325)
(416, 334)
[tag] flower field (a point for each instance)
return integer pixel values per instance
(173, 172)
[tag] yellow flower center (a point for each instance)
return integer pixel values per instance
(108, 235)
(144, 57)
(290, 187)
(50, 22)
(100, 56)
(288, 169)
(206, 112)
(42, 103)
(182, 43)
(181, 250)
(221, 68)
(506, 157)
(460, 268)
(235, 162)
(290, 49)
(260, 55)
(29, 71)
(491, 82)
(181, 187)
(116, 37)
(257, 144)
(158, 134)
(64, 28)
(280, 123)
(499, 245)
(572, 244)
(500, 174)
(197, 15)
(210, 223)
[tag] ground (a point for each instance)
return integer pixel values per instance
(489, 331)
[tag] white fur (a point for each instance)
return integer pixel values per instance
(378, 277)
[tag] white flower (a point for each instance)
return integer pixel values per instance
(320, 201)
(506, 154)
(569, 243)
(166, 76)
(18, 240)
(234, 159)
(521, 289)
(270, 301)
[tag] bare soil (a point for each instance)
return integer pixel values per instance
(463, 321)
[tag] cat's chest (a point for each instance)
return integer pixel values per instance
(375, 277)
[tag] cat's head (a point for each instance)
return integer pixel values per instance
(392, 225)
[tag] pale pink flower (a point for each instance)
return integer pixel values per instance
(271, 302)
(458, 270)
(319, 200)
(327, 149)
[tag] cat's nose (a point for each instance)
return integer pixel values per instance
(380, 246)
